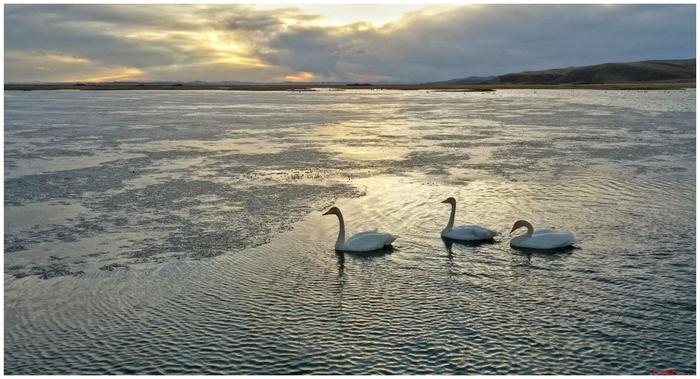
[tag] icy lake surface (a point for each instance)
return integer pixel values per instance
(181, 232)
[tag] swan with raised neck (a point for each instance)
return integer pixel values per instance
(340, 242)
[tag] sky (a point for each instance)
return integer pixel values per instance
(268, 43)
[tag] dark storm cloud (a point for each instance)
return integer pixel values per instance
(435, 43)
(250, 23)
(91, 31)
(495, 39)
(311, 49)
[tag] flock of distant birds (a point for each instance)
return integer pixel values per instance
(540, 239)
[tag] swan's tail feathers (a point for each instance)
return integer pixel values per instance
(576, 244)
(486, 233)
(390, 238)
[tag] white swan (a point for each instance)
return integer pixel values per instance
(541, 238)
(360, 242)
(465, 232)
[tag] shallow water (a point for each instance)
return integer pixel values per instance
(181, 232)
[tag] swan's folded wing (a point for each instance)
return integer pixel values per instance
(470, 233)
(389, 238)
(373, 231)
(553, 240)
(368, 241)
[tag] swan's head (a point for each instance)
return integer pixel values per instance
(450, 200)
(522, 223)
(332, 211)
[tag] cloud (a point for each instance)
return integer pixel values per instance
(45, 65)
(48, 57)
(239, 42)
(300, 77)
(484, 40)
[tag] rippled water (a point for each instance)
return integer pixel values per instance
(181, 232)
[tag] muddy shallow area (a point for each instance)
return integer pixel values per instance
(180, 232)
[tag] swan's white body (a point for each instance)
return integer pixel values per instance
(542, 239)
(465, 232)
(469, 233)
(360, 242)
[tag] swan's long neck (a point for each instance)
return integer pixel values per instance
(530, 230)
(340, 243)
(451, 223)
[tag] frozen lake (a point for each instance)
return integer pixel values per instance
(181, 232)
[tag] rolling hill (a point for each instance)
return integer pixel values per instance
(676, 70)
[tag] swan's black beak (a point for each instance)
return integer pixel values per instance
(446, 201)
(326, 213)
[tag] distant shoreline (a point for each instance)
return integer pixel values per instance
(307, 87)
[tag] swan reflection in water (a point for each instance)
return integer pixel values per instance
(528, 254)
(549, 255)
(340, 257)
(340, 262)
(449, 242)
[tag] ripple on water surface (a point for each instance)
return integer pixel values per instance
(185, 289)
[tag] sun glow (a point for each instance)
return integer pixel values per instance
(114, 74)
(223, 42)
(300, 77)
(71, 59)
(195, 41)
(46, 57)
(345, 14)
